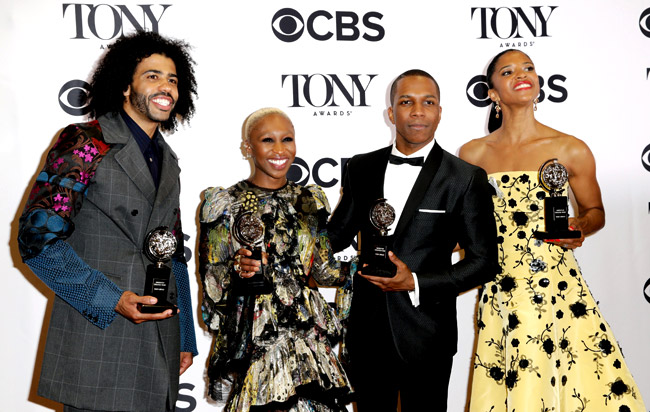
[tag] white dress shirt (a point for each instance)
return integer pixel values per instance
(398, 183)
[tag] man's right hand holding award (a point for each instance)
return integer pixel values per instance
(385, 270)
(403, 279)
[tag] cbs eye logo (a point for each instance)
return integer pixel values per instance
(477, 90)
(73, 97)
(288, 25)
(645, 158)
(322, 176)
(644, 22)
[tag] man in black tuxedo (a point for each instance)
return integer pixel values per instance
(402, 331)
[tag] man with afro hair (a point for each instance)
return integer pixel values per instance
(105, 185)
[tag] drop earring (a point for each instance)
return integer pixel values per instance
(497, 108)
(247, 149)
(535, 104)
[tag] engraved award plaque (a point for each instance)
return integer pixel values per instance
(382, 215)
(552, 177)
(249, 231)
(159, 246)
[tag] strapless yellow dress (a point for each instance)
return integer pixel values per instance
(542, 343)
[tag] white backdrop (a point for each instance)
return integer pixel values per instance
(592, 54)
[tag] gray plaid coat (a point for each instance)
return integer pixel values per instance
(126, 367)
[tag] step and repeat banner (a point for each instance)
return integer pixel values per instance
(329, 64)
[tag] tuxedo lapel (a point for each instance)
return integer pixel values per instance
(422, 183)
(374, 181)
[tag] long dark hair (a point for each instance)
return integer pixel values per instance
(114, 74)
(493, 122)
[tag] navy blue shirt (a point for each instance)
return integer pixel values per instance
(149, 147)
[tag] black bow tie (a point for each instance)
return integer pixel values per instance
(413, 161)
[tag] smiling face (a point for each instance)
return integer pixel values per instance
(515, 81)
(151, 96)
(415, 113)
(272, 145)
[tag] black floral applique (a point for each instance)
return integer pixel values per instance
(601, 347)
(617, 390)
(579, 307)
(520, 364)
(537, 297)
(544, 340)
(567, 349)
(513, 321)
(524, 250)
(521, 185)
(512, 376)
(520, 218)
(495, 370)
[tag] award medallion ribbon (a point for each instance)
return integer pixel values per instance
(552, 178)
(159, 246)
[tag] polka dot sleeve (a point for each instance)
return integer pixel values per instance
(84, 288)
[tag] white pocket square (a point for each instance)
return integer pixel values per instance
(431, 211)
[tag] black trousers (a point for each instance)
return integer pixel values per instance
(378, 374)
(68, 408)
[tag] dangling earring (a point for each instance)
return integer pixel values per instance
(497, 108)
(535, 104)
(247, 149)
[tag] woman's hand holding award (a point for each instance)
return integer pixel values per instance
(552, 178)
(249, 232)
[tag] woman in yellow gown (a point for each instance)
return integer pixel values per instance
(542, 343)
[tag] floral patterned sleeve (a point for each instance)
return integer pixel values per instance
(215, 255)
(60, 188)
(47, 220)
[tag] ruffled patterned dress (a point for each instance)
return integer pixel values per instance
(543, 344)
(274, 350)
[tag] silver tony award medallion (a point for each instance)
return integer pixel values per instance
(249, 232)
(159, 246)
(552, 178)
(382, 215)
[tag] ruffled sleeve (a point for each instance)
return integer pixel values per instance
(325, 269)
(215, 252)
